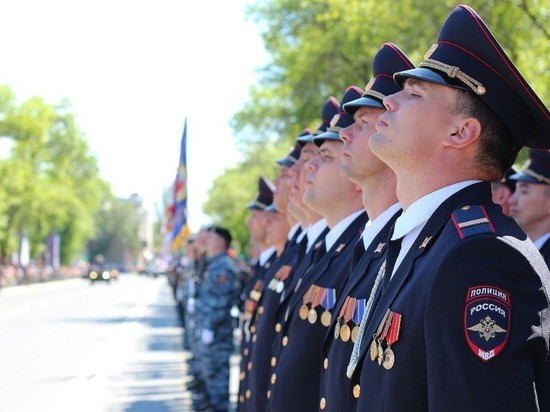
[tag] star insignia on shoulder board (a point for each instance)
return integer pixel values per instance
(425, 242)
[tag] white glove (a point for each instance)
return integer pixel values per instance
(207, 336)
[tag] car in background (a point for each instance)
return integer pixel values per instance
(102, 273)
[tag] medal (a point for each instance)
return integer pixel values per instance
(389, 358)
(359, 311)
(345, 333)
(354, 333)
(312, 316)
(303, 312)
(376, 348)
(393, 336)
(337, 330)
(326, 317)
(373, 350)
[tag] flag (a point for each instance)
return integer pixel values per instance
(180, 226)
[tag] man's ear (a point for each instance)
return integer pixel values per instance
(464, 132)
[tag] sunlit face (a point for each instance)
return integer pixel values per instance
(530, 205)
(282, 183)
(300, 174)
(414, 125)
(277, 228)
(257, 225)
(358, 162)
(325, 184)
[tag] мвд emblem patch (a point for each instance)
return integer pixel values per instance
(487, 320)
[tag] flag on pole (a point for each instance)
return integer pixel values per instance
(180, 226)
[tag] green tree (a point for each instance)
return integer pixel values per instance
(50, 181)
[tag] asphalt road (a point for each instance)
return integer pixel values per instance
(107, 347)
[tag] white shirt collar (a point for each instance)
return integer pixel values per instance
(541, 240)
(373, 227)
(314, 232)
(420, 211)
(302, 234)
(266, 254)
(293, 230)
(334, 233)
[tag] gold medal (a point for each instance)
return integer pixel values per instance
(389, 358)
(326, 317)
(380, 353)
(303, 312)
(373, 350)
(345, 333)
(312, 316)
(337, 330)
(354, 333)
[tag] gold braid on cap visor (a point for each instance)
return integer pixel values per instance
(537, 176)
(454, 72)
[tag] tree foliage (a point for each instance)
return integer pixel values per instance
(319, 47)
(50, 181)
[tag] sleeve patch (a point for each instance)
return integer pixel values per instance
(487, 320)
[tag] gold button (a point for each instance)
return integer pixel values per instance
(253, 329)
(249, 366)
(325, 363)
(273, 378)
(285, 341)
(269, 394)
(247, 394)
(242, 375)
(278, 327)
(273, 361)
(245, 352)
(356, 391)
(261, 310)
(241, 398)
(254, 337)
(323, 403)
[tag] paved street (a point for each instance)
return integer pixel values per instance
(73, 346)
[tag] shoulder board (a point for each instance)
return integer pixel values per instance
(472, 220)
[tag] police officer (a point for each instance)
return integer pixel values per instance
(377, 182)
(460, 320)
(306, 313)
(216, 296)
(503, 189)
(258, 227)
(530, 203)
(277, 281)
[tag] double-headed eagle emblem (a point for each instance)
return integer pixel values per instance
(487, 328)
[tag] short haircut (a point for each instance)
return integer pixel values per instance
(497, 150)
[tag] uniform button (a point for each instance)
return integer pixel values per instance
(261, 310)
(247, 394)
(245, 352)
(253, 329)
(325, 363)
(285, 340)
(323, 403)
(242, 375)
(278, 327)
(356, 391)
(249, 366)
(254, 337)
(269, 394)
(241, 398)
(273, 361)
(273, 379)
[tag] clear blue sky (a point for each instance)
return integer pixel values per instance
(133, 70)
